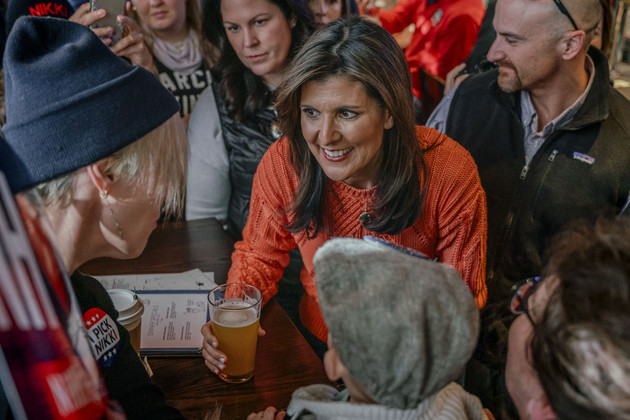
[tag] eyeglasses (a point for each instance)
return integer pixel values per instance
(520, 296)
(565, 12)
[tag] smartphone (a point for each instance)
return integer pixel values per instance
(114, 8)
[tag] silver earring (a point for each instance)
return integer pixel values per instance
(293, 23)
(104, 195)
(120, 232)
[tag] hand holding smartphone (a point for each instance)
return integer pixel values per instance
(113, 8)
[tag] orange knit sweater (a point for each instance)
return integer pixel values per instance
(452, 226)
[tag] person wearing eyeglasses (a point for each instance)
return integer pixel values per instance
(550, 137)
(569, 349)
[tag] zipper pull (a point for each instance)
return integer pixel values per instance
(552, 156)
(524, 172)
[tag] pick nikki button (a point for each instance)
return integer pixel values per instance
(103, 336)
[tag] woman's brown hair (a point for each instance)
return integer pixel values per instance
(364, 52)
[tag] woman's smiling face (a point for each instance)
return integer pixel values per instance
(344, 128)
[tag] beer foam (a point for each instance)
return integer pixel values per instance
(232, 314)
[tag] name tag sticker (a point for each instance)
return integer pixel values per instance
(583, 158)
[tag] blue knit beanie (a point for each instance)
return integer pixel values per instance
(70, 101)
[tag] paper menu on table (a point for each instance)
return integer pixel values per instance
(188, 280)
(175, 309)
(172, 321)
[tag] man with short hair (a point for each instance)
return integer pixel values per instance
(569, 351)
(550, 136)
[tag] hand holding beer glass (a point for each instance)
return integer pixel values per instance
(230, 338)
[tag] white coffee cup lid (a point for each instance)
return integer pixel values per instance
(127, 303)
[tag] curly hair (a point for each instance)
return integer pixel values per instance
(581, 346)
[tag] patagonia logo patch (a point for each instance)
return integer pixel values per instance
(583, 158)
(103, 336)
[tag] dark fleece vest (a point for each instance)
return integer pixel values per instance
(579, 172)
(246, 145)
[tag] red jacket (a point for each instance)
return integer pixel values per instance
(446, 31)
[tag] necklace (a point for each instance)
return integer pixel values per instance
(276, 133)
(366, 217)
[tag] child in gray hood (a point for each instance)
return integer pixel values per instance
(401, 330)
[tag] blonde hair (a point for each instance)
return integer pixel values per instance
(193, 21)
(155, 164)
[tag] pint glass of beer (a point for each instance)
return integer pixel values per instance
(235, 313)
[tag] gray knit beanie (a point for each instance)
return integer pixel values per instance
(70, 101)
(403, 326)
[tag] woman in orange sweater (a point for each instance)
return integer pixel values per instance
(353, 163)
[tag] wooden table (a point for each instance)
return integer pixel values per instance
(176, 247)
(284, 360)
